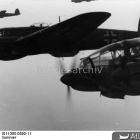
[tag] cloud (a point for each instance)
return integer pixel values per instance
(81, 0)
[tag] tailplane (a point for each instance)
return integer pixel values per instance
(17, 12)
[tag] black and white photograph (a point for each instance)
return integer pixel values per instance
(69, 65)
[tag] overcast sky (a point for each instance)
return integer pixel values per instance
(31, 94)
(125, 13)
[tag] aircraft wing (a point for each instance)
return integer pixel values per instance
(66, 33)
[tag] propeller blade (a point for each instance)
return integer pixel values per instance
(74, 62)
(100, 95)
(60, 66)
(68, 93)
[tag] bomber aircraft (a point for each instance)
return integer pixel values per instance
(64, 39)
(5, 14)
(58, 40)
(114, 70)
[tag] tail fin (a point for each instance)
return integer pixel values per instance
(17, 12)
(139, 26)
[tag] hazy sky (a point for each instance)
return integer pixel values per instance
(125, 13)
(31, 95)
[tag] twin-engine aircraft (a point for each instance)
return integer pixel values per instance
(114, 70)
(5, 14)
(64, 39)
(58, 40)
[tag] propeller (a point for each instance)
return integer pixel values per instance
(63, 70)
(68, 93)
(62, 67)
(74, 63)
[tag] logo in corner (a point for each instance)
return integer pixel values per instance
(126, 136)
(122, 137)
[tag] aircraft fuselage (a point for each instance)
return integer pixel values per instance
(8, 36)
(58, 47)
(55, 47)
(102, 37)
